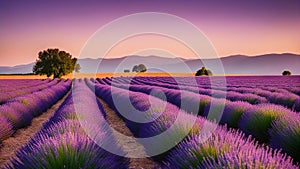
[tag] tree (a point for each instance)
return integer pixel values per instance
(54, 62)
(286, 73)
(142, 68)
(77, 68)
(135, 68)
(209, 72)
(204, 72)
(139, 68)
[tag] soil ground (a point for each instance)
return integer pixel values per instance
(129, 145)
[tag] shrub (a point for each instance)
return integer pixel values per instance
(285, 135)
(224, 149)
(6, 128)
(214, 110)
(18, 119)
(244, 158)
(70, 150)
(233, 112)
(258, 120)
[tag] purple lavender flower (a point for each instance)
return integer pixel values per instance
(258, 120)
(70, 150)
(245, 158)
(233, 112)
(225, 149)
(6, 128)
(285, 135)
(18, 119)
(63, 143)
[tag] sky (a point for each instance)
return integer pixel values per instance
(232, 26)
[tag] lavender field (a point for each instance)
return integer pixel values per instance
(211, 122)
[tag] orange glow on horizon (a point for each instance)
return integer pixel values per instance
(20, 43)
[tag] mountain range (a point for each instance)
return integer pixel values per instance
(268, 64)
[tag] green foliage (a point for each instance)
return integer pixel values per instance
(77, 68)
(258, 121)
(209, 72)
(204, 72)
(285, 134)
(286, 73)
(139, 68)
(54, 62)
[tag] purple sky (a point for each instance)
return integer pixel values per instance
(233, 26)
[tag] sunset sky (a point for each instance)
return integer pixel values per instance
(233, 26)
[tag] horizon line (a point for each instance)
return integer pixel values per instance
(119, 57)
(178, 57)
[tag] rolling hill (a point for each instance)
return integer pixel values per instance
(269, 64)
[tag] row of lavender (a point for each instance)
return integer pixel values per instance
(20, 111)
(10, 84)
(267, 87)
(16, 89)
(251, 95)
(274, 84)
(64, 143)
(199, 149)
(267, 123)
(271, 83)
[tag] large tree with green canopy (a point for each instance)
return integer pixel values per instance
(54, 62)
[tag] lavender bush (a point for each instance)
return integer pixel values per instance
(6, 128)
(225, 149)
(63, 143)
(258, 120)
(233, 112)
(70, 150)
(285, 135)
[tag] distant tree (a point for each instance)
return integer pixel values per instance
(54, 62)
(204, 72)
(209, 72)
(142, 68)
(286, 73)
(126, 70)
(139, 68)
(135, 68)
(77, 68)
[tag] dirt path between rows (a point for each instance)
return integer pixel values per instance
(129, 145)
(23, 135)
